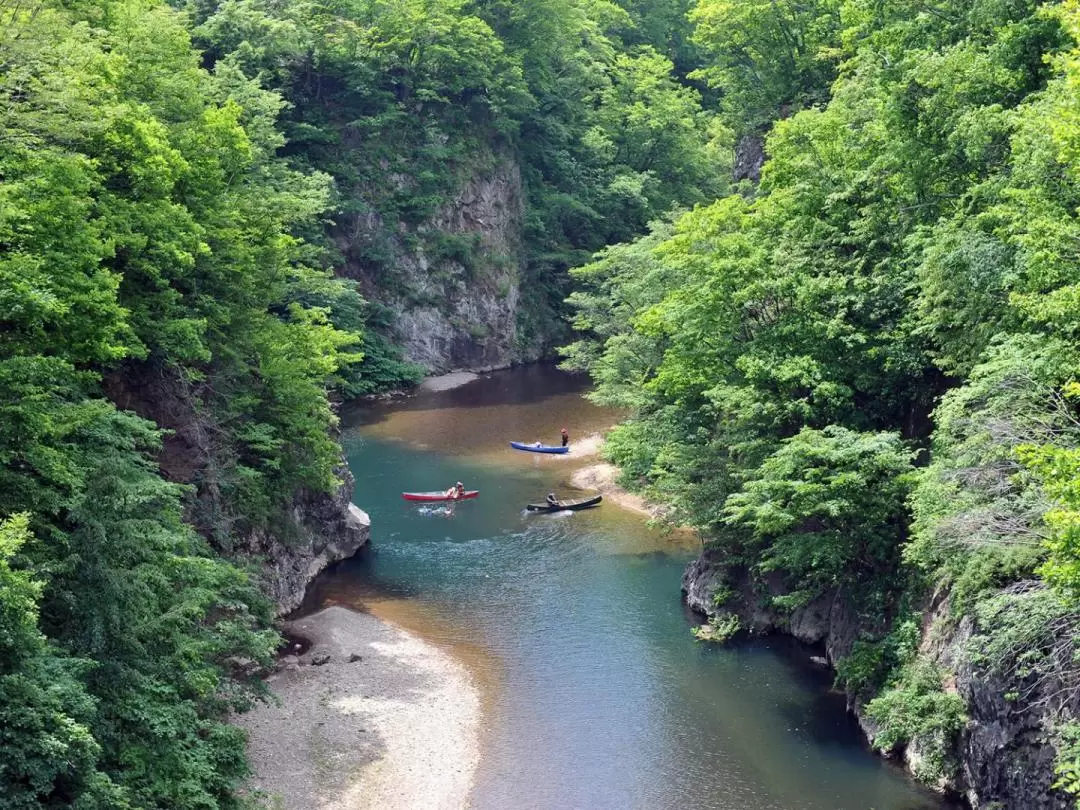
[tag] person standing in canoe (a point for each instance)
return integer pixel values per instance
(456, 492)
(565, 437)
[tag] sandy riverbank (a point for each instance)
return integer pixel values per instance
(385, 721)
(602, 479)
(446, 382)
(589, 447)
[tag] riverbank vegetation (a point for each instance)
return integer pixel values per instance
(860, 374)
(152, 251)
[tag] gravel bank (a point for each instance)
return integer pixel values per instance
(445, 382)
(601, 478)
(384, 721)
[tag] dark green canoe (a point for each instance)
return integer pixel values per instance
(563, 506)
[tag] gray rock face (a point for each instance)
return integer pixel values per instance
(1005, 755)
(455, 306)
(322, 528)
(1005, 751)
(702, 578)
(749, 158)
(827, 619)
(325, 530)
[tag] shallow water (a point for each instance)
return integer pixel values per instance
(596, 695)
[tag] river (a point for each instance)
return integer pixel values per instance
(595, 694)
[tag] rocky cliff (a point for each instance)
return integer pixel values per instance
(452, 281)
(749, 158)
(316, 529)
(1004, 752)
(324, 530)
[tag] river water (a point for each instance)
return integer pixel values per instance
(595, 694)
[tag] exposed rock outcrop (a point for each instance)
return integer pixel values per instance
(1005, 754)
(749, 157)
(456, 278)
(703, 578)
(1005, 751)
(318, 529)
(829, 620)
(325, 530)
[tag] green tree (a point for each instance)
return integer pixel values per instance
(827, 508)
(763, 56)
(49, 755)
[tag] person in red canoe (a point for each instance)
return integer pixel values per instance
(456, 491)
(565, 437)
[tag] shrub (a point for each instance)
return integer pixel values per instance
(720, 628)
(1066, 738)
(870, 663)
(915, 708)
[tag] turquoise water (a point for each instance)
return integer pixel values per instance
(596, 695)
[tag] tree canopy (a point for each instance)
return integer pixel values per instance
(176, 178)
(863, 370)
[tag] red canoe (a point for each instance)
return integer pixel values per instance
(438, 496)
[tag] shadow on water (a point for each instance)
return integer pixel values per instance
(356, 578)
(528, 385)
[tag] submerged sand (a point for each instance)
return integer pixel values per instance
(384, 720)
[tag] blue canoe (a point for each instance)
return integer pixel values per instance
(543, 448)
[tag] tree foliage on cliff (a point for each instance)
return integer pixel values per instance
(907, 265)
(150, 234)
(402, 101)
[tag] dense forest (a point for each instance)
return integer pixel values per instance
(402, 102)
(176, 178)
(824, 254)
(858, 378)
